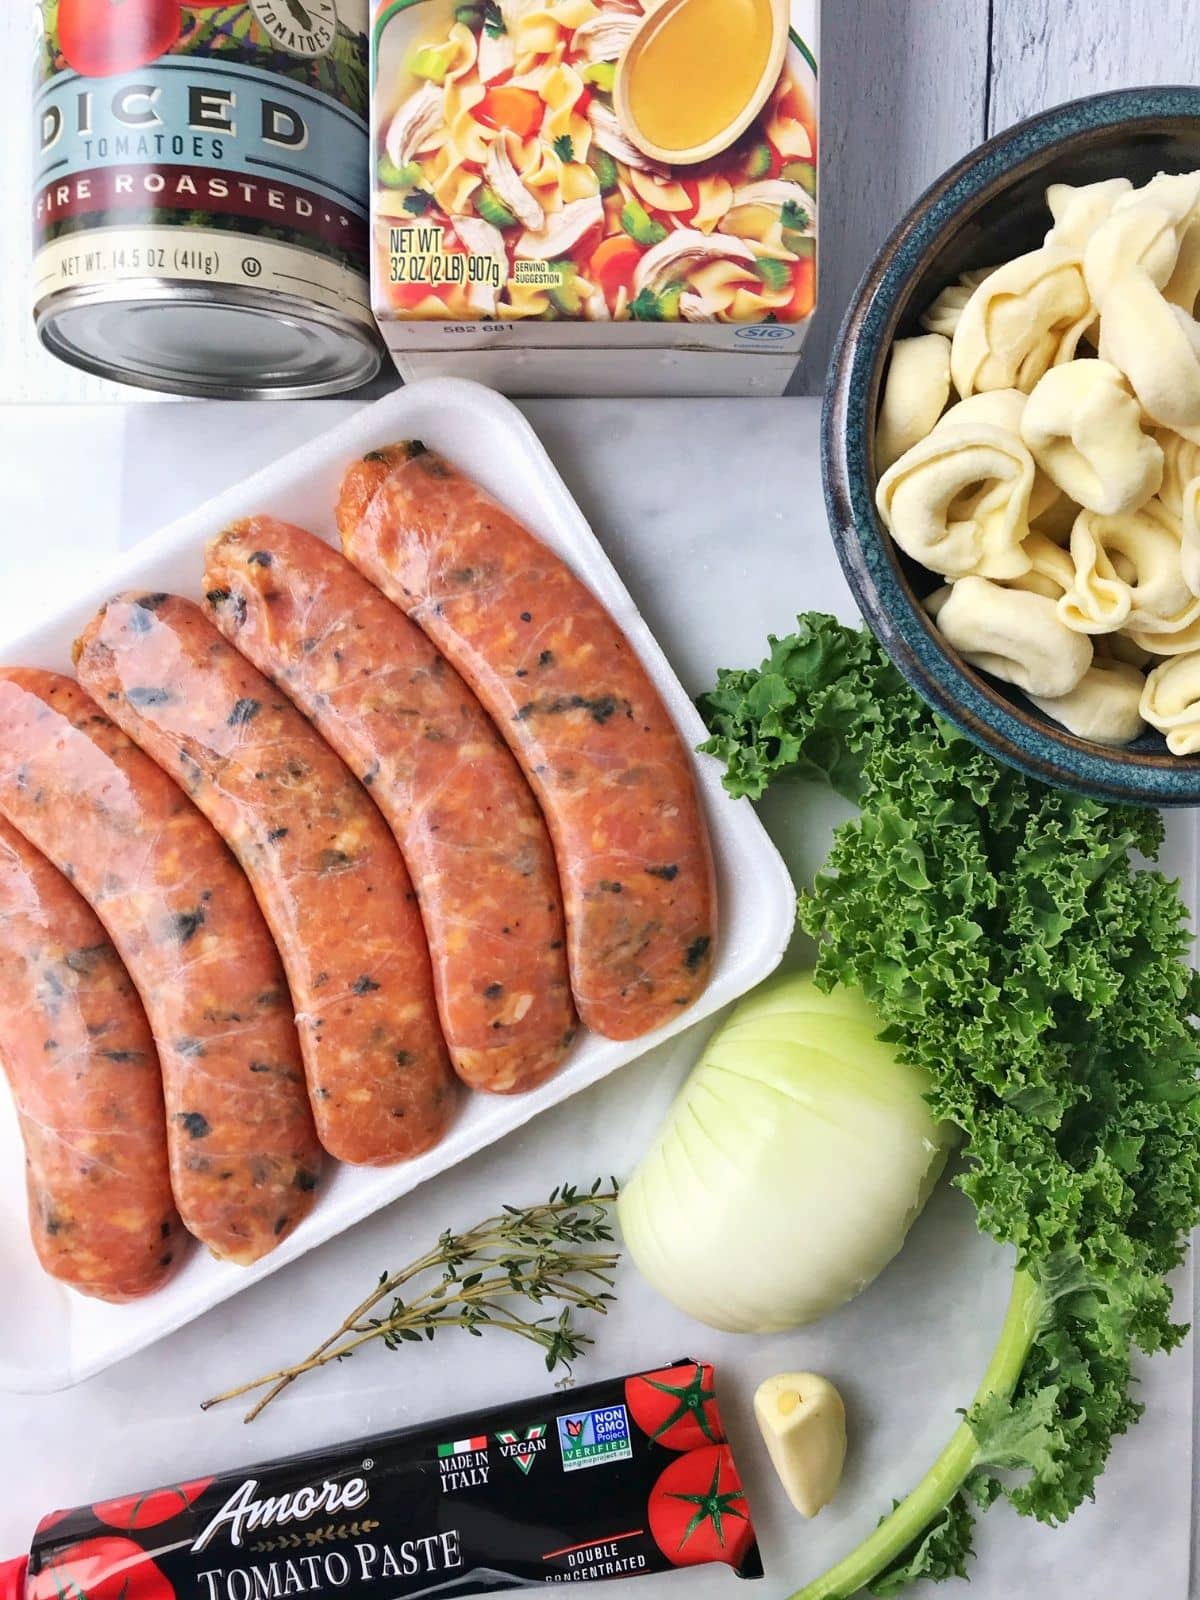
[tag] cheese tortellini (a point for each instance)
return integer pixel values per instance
(1128, 574)
(1171, 703)
(1104, 706)
(1143, 238)
(1084, 429)
(1054, 485)
(942, 315)
(1003, 408)
(958, 502)
(1181, 463)
(914, 396)
(1024, 318)
(1079, 209)
(1015, 635)
(1189, 533)
(1052, 572)
(1157, 346)
(1182, 288)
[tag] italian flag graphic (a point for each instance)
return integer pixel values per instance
(458, 1447)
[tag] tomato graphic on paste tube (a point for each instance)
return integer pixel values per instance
(698, 1512)
(51, 1520)
(99, 1569)
(676, 1406)
(102, 37)
(151, 1507)
(515, 1495)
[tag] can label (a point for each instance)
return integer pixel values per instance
(220, 143)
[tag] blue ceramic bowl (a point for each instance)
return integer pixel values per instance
(987, 209)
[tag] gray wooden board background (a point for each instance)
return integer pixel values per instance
(907, 86)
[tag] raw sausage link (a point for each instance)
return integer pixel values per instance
(244, 1155)
(328, 874)
(463, 815)
(80, 1061)
(580, 713)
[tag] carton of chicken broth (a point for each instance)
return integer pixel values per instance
(596, 196)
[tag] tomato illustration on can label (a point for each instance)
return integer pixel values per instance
(100, 38)
(197, 155)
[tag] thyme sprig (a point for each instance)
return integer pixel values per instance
(538, 1254)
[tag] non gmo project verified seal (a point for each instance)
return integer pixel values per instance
(591, 1438)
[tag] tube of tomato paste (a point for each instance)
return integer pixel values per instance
(614, 1480)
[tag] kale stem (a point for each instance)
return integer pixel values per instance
(946, 1476)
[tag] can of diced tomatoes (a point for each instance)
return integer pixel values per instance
(200, 194)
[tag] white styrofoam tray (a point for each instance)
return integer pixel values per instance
(51, 1337)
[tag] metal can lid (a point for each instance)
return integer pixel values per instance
(221, 342)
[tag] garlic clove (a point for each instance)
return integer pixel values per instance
(803, 1423)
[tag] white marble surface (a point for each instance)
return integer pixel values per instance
(713, 516)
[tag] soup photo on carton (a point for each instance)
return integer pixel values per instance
(573, 195)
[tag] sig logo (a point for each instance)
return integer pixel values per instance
(764, 332)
